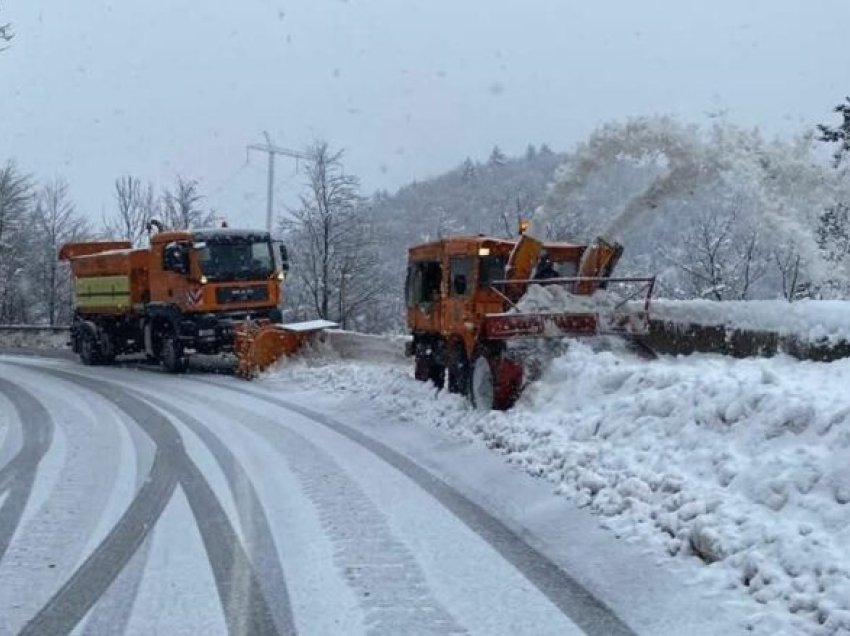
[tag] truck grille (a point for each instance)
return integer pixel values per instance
(251, 294)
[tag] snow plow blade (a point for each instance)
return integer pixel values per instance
(258, 345)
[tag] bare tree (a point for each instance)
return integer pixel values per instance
(6, 35)
(787, 261)
(15, 201)
(181, 206)
(723, 257)
(136, 206)
(331, 243)
(56, 222)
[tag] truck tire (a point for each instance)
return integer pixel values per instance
(458, 368)
(89, 348)
(481, 386)
(172, 356)
(495, 382)
(428, 370)
(107, 348)
(437, 375)
(422, 368)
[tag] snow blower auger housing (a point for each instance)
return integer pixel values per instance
(471, 301)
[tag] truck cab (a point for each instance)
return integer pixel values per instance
(452, 284)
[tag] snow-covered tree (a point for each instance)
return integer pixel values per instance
(55, 222)
(469, 171)
(181, 206)
(839, 134)
(497, 157)
(15, 242)
(332, 244)
(136, 205)
(5, 35)
(649, 181)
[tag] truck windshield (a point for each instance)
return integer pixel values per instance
(236, 260)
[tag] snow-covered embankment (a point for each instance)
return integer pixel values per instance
(738, 467)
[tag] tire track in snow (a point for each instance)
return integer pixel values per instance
(566, 593)
(66, 514)
(87, 584)
(246, 609)
(388, 582)
(18, 476)
(252, 516)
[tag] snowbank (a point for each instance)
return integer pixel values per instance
(738, 467)
(810, 321)
(556, 299)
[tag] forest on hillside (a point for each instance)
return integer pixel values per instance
(718, 212)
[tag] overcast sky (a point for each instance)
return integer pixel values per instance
(93, 89)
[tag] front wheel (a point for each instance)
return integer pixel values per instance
(172, 356)
(495, 382)
(482, 391)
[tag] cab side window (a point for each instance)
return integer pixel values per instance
(460, 282)
(491, 269)
(423, 283)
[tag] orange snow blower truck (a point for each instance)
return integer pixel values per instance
(204, 291)
(469, 322)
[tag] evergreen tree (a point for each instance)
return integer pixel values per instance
(497, 157)
(839, 134)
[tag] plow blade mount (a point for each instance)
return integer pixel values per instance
(258, 345)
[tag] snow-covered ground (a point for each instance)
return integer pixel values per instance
(736, 469)
(811, 321)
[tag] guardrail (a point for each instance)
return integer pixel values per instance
(664, 337)
(35, 328)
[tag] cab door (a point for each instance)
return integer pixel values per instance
(457, 306)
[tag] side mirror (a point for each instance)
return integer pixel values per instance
(459, 284)
(284, 257)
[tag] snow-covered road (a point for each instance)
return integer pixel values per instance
(136, 502)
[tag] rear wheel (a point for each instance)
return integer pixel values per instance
(172, 356)
(107, 348)
(89, 348)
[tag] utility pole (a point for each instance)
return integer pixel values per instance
(273, 150)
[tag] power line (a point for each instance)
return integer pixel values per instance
(273, 150)
(230, 179)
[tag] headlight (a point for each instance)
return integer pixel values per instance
(281, 275)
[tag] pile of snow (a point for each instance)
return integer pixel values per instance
(557, 299)
(738, 467)
(811, 321)
(350, 344)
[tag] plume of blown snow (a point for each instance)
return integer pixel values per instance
(785, 187)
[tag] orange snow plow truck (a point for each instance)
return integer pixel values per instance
(203, 291)
(482, 310)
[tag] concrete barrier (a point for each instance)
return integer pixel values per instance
(33, 336)
(678, 339)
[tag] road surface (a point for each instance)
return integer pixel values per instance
(136, 502)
